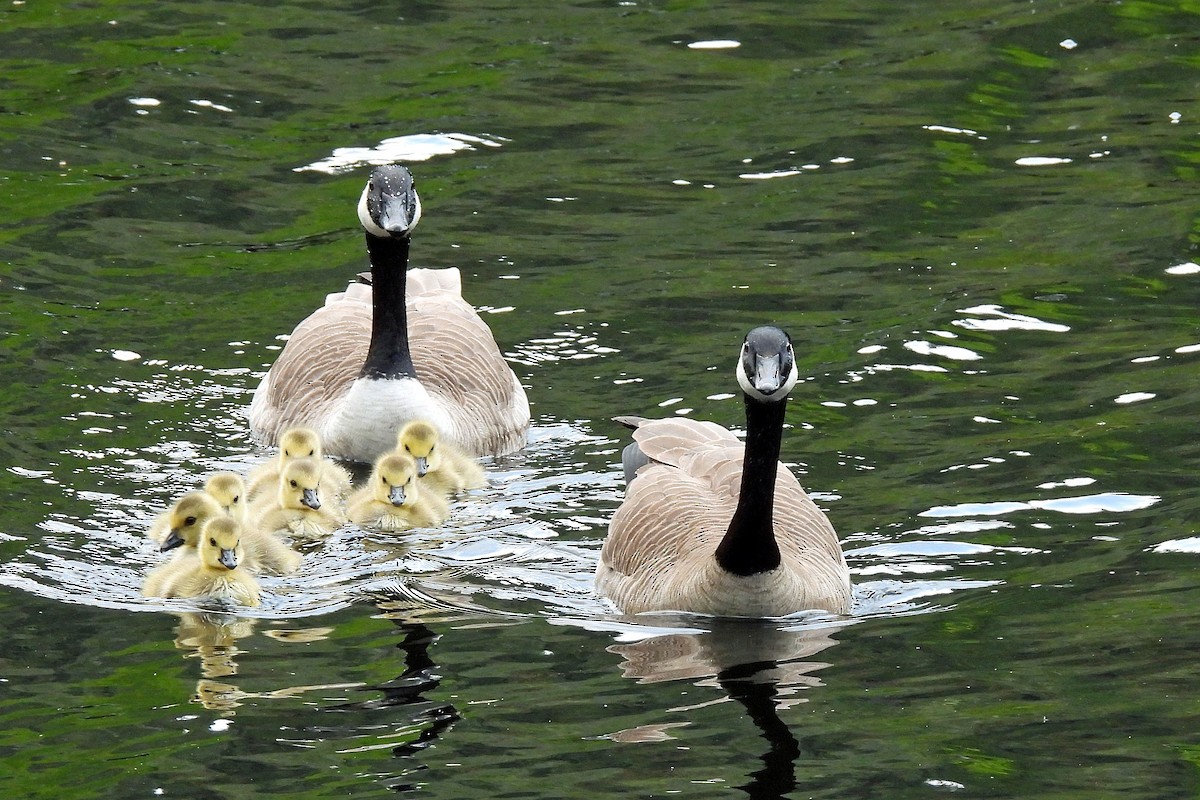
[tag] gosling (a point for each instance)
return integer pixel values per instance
(392, 499)
(297, 509)
(213, 573)
(440, 466)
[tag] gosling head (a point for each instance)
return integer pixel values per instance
(229, 490)
(395, 479)
(299, 484)
(419, 440)
(766, 369)
(389, 207)
(220, 543)
(187, 517)
(299, 443)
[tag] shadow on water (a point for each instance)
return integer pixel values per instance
(763, 666)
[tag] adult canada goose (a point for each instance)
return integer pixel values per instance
(299, 443)
(392, 500)
(405, 347)
(297, 509)
(181, 523)
(213, 573)
(714, 527)
(440, 465)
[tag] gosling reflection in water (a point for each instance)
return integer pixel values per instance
(212, 637)
(756, 663)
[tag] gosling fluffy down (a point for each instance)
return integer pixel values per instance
(440, 465)
(213, 572)
(393, 499)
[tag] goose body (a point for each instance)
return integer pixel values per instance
(212, 572)
(392, 500)
(441, 466)
(712, 526)
(405, 347)
(297, 508)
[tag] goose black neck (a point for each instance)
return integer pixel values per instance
(749, 546)
(388, 356)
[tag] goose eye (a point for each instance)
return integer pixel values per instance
(190, 521)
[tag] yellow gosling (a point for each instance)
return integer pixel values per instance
(440, 465)
(300, 443)
(229, 490)
(180, 524)
(298, 509)
(213, 573)
(392, 499)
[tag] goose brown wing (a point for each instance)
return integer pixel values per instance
(316, 367)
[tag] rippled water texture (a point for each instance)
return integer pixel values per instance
(977, 221)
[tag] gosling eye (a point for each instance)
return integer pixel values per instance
(407, 449)
(190, 521)
(293, 484)
(237, 497)
(213, 542)
(382, 478)
(310, 453)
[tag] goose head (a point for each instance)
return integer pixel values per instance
(220, 543)
(186, 518)
(395, 479)
(419, 439)
(299, 485)
(389, 207)
(766, 368)
(229, 490)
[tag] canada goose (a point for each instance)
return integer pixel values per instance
(440, 465)
(299, 443)
(229, 490)
(711, 526)
(212, 573)
(392, 501)
(297, 508)
(405, 347)
(180, 524)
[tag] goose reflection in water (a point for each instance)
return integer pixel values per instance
(425, 720)
(756, 663)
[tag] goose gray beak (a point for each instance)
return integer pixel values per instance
(172, 541)
(310, 499)
(389, 206)
(768, 373)
(396, 495)
(422, 466)
(228, 559)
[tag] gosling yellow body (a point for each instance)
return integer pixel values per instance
(180, 524)
(300, 443)
(392, 500)
(440, 466)
(214, 572)
(298, 508)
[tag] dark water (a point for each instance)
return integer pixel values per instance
(977, 220)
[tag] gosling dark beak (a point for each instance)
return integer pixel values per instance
(422, 466)
(396, 495)
(228, 559)
(172, 541)
(310, 499)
